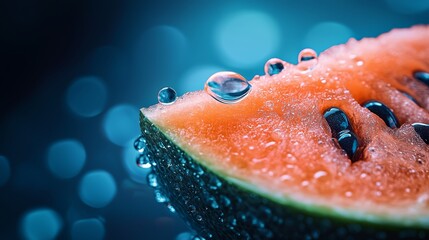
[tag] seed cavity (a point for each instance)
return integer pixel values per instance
(422, 130)
(383, 112)
(410, 97)
(422, 76)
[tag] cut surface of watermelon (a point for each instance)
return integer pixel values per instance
(277, 143)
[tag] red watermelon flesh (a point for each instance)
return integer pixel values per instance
(276, 141)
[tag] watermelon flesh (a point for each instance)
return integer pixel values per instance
(276, 142)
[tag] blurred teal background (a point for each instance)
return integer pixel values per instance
(75, 73)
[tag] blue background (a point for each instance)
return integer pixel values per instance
(75, 73)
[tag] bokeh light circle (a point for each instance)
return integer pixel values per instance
(247, 38)
(159, 57)
(326, 34)
(121, 124)
(43, 224)
(97, 189)
(91, 228)
(87, 96)
(66, 158)
(195, 78)
(4, 170)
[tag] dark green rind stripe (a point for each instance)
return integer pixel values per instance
(218, 209)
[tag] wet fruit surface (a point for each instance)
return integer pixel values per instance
(308, 135)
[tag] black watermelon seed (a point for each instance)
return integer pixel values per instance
(348, 141)
(422, 76)
(383, 112)
(337, 120)
(423, 131)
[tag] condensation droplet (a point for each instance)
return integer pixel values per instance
(359, 63)
(319, 174)
(167, 96)
(273, 66)
(143, 161)
(227, 87)
(307, 59)
(152, 180)
(160, 197)
(171, 208)
(140, 144)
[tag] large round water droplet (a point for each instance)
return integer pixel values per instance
(307, 59)
(227, 87)
(273, 66)
(167, 96)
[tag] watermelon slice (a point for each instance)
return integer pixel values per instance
(335, 151)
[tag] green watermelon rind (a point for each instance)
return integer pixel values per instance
(303, 219)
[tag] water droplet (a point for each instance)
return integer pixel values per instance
(227, 87)
(197, 238)
(224, 200)
(171, 208)
(285, 177)
(273, 66)
(199, 218)
(143, 161)
(307, 59)
(160, 197)
(348, 194)
(213, 203)
(319, 174)
(140, 144)
(167, 96)
(214, 183)
(152, 180)
(359, 63)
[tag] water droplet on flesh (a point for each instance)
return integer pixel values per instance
(167, 96)
(319, 174)
(273, 66)
(227, 87)
(307, 59)
(140, 144)
(143, 161)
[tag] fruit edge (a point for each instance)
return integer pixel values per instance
(217, 208)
